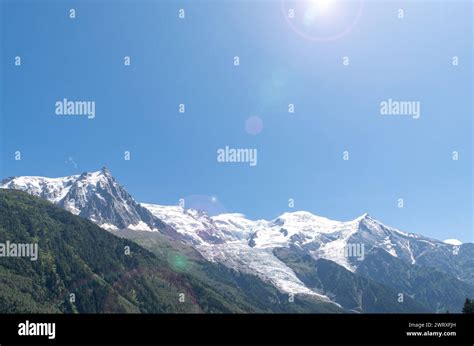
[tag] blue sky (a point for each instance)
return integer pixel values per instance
(190, 61)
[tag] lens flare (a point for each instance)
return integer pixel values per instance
(254, 125)
(204, 203)
(322, 20)
(178, 262)
(322, 5)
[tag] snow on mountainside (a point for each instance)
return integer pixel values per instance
(318, 236)
(453, 242)
(95, 196)
(224, 239)
(248, 246)
(194, 226)
(52, 189)
(242, 244)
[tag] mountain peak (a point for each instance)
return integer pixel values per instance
(360, 219)
(105, 171)
(363, 217)
(103, 176)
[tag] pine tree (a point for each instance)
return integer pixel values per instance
(468, 306)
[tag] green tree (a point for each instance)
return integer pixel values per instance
(468, 306)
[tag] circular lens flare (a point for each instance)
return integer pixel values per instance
(322, 20)
(254, 125)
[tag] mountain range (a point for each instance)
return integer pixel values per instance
(82, 268)
(361, 265)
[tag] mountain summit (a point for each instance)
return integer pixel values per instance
(96, 196)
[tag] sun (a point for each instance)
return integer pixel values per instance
(322, 20)
(317, 9)
(322, 5)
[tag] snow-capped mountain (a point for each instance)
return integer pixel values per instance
(96, 196)
(363, 243)
(318, 236)
(194, 226)
(250, 246)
